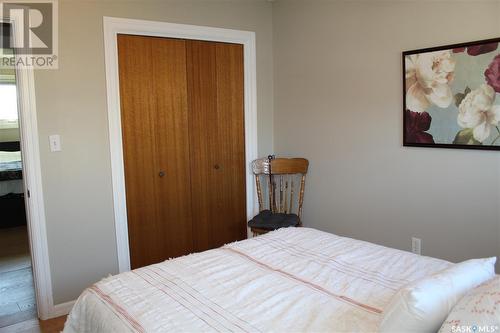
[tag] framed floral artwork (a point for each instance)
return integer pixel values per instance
(452, 96)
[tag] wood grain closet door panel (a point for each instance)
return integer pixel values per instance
(215, 96)
(139, 154)
(202, 101)
(172, 146)
(231, 183)
(155, 139)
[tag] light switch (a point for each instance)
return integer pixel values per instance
(55, 142)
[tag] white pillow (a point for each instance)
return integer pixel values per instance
(480, 308)
(423, 305)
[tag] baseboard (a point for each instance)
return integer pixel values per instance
(62, 309)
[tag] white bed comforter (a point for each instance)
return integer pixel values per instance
(10, 160)
(290, 280)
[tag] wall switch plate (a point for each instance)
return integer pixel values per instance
(55, 142)
(416, 245)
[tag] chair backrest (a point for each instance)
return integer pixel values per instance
(277, 180)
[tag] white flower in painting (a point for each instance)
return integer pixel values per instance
(427, 80)
(477, 111)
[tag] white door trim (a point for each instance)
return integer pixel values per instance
(32, 177)
(113, 27)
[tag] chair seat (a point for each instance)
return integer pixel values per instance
(272, 221)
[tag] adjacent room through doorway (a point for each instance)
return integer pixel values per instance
(17, 293)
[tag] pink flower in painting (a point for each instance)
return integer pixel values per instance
(459, 50)
(416, 123)
(477, 49)
(481, 49)
(492, 74)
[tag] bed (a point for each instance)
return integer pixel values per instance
(10, 166)
(11, 185)
(290, 280)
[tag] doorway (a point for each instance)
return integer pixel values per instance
(17, 292)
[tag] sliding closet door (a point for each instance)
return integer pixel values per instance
(153, 93)
(216, 131)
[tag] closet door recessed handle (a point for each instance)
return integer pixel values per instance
(216, 167)
(161, 173)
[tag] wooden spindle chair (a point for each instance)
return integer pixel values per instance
(280, 191)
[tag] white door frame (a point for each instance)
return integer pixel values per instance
(32, 178)
(113, 27)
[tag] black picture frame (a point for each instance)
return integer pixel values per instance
(406, 142)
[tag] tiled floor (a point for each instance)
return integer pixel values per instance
(17, 294)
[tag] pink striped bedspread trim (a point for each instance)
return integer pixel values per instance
(283, 244)
(119, 310)
(205, 301)
(218, 319)
(373, 277)
(315, 286)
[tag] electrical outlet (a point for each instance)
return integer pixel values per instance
(416, 245)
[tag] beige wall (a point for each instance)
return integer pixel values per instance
(71, 101)
(338, 97)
